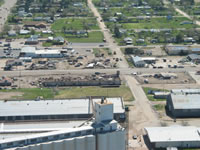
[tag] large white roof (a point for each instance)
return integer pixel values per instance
(173, 134)
(117, 103)
(44, 107)
(47, 52)
(54, 107)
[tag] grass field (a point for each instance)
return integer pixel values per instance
(159, 23)
(75, 24)
(32, 93)
(77, 92)
(93, 37)
(72, 92)
(159, 107)
(1, 2)
(150, 96)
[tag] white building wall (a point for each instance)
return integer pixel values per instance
(90, 142)
(69, 144)
(103, 112)
(111, 141)
(79, 143)
(178, 144)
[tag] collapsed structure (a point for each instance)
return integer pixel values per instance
(102, 133)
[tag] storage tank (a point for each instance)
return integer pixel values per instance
(69, 144)
(80, 143)
(35, 147)
(101, 141)
(47, 146)
(90, 142)
(23, 148)
(58, 145)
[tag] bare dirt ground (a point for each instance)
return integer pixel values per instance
(9, 95)
(5, 10)
(182, 78)
(141, 114)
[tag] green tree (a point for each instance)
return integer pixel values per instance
(116, 32)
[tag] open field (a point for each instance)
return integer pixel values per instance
(71, 92)
(1, 2)
(159, 23)
(75, 24)
(77, 92)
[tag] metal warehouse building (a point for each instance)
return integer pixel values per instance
(184, 103)
(174, 136)
(55, 109)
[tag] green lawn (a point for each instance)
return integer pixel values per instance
(93, 37)
(158, 23)
(77, 92)
(1, 2)
(71, 92)
(75, 24)
(98, 51)
(32, 93)
(159, 107)
(47, 44)
(150, 96)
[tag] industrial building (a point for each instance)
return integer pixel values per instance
(34, 53)
(173, 136)
(138, 62)
(101, 133)
(67, 109)
(184, 103)
(143, 61)
(182, 50)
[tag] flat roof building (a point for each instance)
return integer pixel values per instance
(55, 109)
(174, 136)
(34, 53)
(102, 133)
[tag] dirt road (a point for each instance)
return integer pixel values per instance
(108, 36)
(186, 15)
(4, 11)
(142, 114)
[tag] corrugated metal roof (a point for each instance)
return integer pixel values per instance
(186, 101)
(173, 134)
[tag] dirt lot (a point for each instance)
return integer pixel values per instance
(181, 78)
(9, 95)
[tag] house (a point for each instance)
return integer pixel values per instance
(35, 24)
(32, 40)
(140, 41)
(128, 41)
(58, 40)
(12, 33)
(138, 62)
(24, 32)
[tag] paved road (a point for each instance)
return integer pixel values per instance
(4, 11)
(108, 36)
